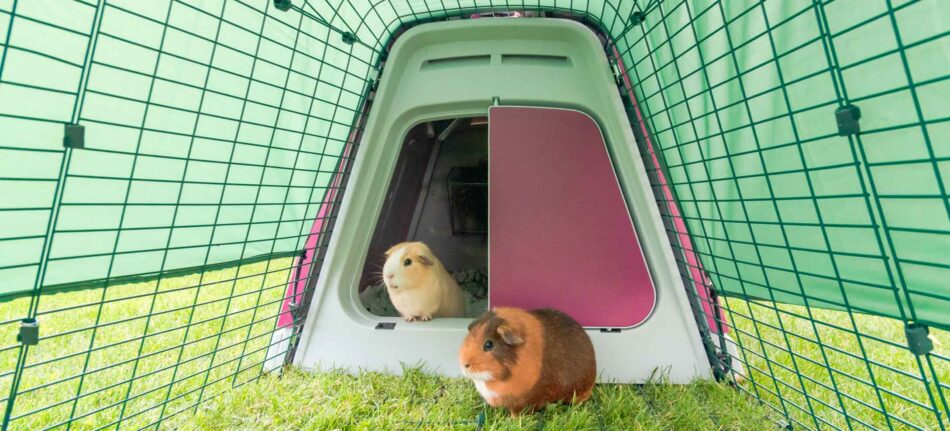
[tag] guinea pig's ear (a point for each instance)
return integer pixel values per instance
(425, 260)
(509, 336)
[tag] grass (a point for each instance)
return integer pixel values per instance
(416, 400)
(805, 358)
(174, 350)
(204, 333)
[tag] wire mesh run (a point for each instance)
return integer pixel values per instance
(153, 240)
(729, 97)
(162, 164)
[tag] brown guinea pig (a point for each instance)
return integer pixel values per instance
(522, 360)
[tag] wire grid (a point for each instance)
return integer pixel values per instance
(810, 392)
(184, 115)
(818, 369)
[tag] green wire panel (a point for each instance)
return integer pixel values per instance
(207, 139)
(742, 99)
(833, 227)
(162, 163)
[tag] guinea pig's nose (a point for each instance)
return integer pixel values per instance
(467, 365)
(390, 276)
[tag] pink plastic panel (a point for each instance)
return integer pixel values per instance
(560, 233)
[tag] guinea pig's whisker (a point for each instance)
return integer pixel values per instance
(376, 276)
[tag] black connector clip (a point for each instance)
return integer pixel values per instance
(283, 5)
(349, 38)
(74, 136)
(636, 18)
(918, 338)
(847, 117)
(29, 332)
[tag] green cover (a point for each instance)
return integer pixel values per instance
(159, 187)
(778, 205)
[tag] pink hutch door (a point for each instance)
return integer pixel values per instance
(560, 234)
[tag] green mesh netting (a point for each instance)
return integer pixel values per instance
(217, 151)
(744, 115)
(778, 205)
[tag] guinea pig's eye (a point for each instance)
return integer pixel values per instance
(489, 345)
(407, 262)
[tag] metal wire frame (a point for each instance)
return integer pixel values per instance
(221, 358)
(792, 391)
(803, 400)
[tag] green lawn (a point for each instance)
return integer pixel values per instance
(879, 351)
(199, 341)
(374, 401)
(209, 333)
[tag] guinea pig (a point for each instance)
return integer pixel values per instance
(418, 285)
(523, 360)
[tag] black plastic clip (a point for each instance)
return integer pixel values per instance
(615, 70)
(725, 361)
(29, 332)
(349, 38)
(624, 93)
(847, 117)
(74, 136)
(918, 338)
(636, 18)
(283, 5)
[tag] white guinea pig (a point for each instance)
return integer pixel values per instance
(418, 285)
